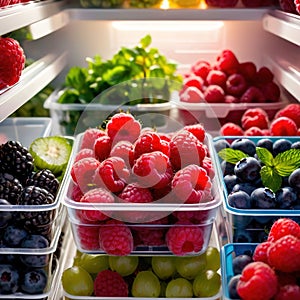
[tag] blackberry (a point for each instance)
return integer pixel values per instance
(10, 188)
(35, 221)
(44, 179)
(16, 160)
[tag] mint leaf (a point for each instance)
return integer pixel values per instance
(265, 156)
(231, 155)
(270, 178)
(286, 162)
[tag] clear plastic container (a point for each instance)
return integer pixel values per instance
(24, 130)
(228, 252)
(101, 3)
(250, 225)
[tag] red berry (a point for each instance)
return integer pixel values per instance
(254, 131)
(261, 252)
(297, 3)
(185, 238)
(110, 284)
(115, 238)
(282, 227)
(255, 117)
(124, 150)
(88, 237)
(284, 254)
(102, 147)
(248, 70)
(112, 174)
(288, 292)
(216, 77)
(201, 68)
(264, 76)
(231, 129)
(271, 91)
(197, 130)
(153, 170)
(123, 127)
(12, 59)
(227, 62)
(194, 81)
(89, 137)
(231, 99)
(191, 94)
(222, 3)
(97, 195)
(291, 111)
(236, 85)
(4, 3)
(76, 193)
(214, 94)
(186, 149)
(84, 153)
(257, 282)
(191, 184)
(253, 95)
(208, 166)
(256, 3)
(288, 6)
(283, 126)
(195, 217)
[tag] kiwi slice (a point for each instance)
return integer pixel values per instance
(52, 152)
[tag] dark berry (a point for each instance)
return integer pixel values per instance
(221, 144)
(34, 281)
(233, 294)
(263, 198)
(245, 145)
(242, 236)
(265, 143)
(248, 169)
(10, 188)
(230, 181)
(9, 279)
(5, 216)
(227, 168)
(240, 262)
(295, 145)
(14, 235)
(239, 200)
(286, 198)
(281, 145)
(294, 179)
(244, 186)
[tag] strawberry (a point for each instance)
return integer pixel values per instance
(12, 60)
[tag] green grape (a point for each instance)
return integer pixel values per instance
(179, 288)
(207, 284)
(163, 266)
(146, 284)
(189, 267)
(124, 265)
(93, 263)
(213, 260)
(77, 281)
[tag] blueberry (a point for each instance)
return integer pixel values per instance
(227, 168)
(9, 279)
(232, 284)
(265, 143)
(248, 169)
(294, 179)
(263, 198)
(244, 186)
(281, 145)
(239, 199)
(230, 181)
(295, 145)
(241, 222)
(286, 198)
(14, 235)
(34, 281)
(221, 144)
(239, 262)
(245, 145)
(5, 216)
(8, 258)
(242, 236)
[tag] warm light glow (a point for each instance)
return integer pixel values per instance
(203, 5)
(165, 4)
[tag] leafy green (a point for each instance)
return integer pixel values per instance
(232, 155)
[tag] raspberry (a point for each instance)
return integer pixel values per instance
(197, 130)
(222, 3)
(89, 137)
(248, 70)
(231, 99)
(82, 172)
(226, 61)
(208, 166)
(214, 94)
(12, 59)
(195, 217)
(84, 153)
(253, 95)
(112, 174)
(124, 150)
(257, 282)
(123, 127)
(216, 77)
(191, 94)
(76, 193)
(283, 126)
(231, 129)
(201, 68)
(260, 252)
(282, 227)
(148, 142)
(190, 183)
(110, 284)
(284, 254)
(186, 149)
(297, 3)
(184, 238)
(102, 147)
(264, 75)
(97, 195)
(236, 85)
(255, 117)
(193, 81)
(254, 131)
(288, 6)
(4, 3)
(291, 111)
(271, 91)
(115, 238)
(88, 237)
(256, 3)
(288, 292)
(153, 170)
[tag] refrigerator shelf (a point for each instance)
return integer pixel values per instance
(33, 79)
